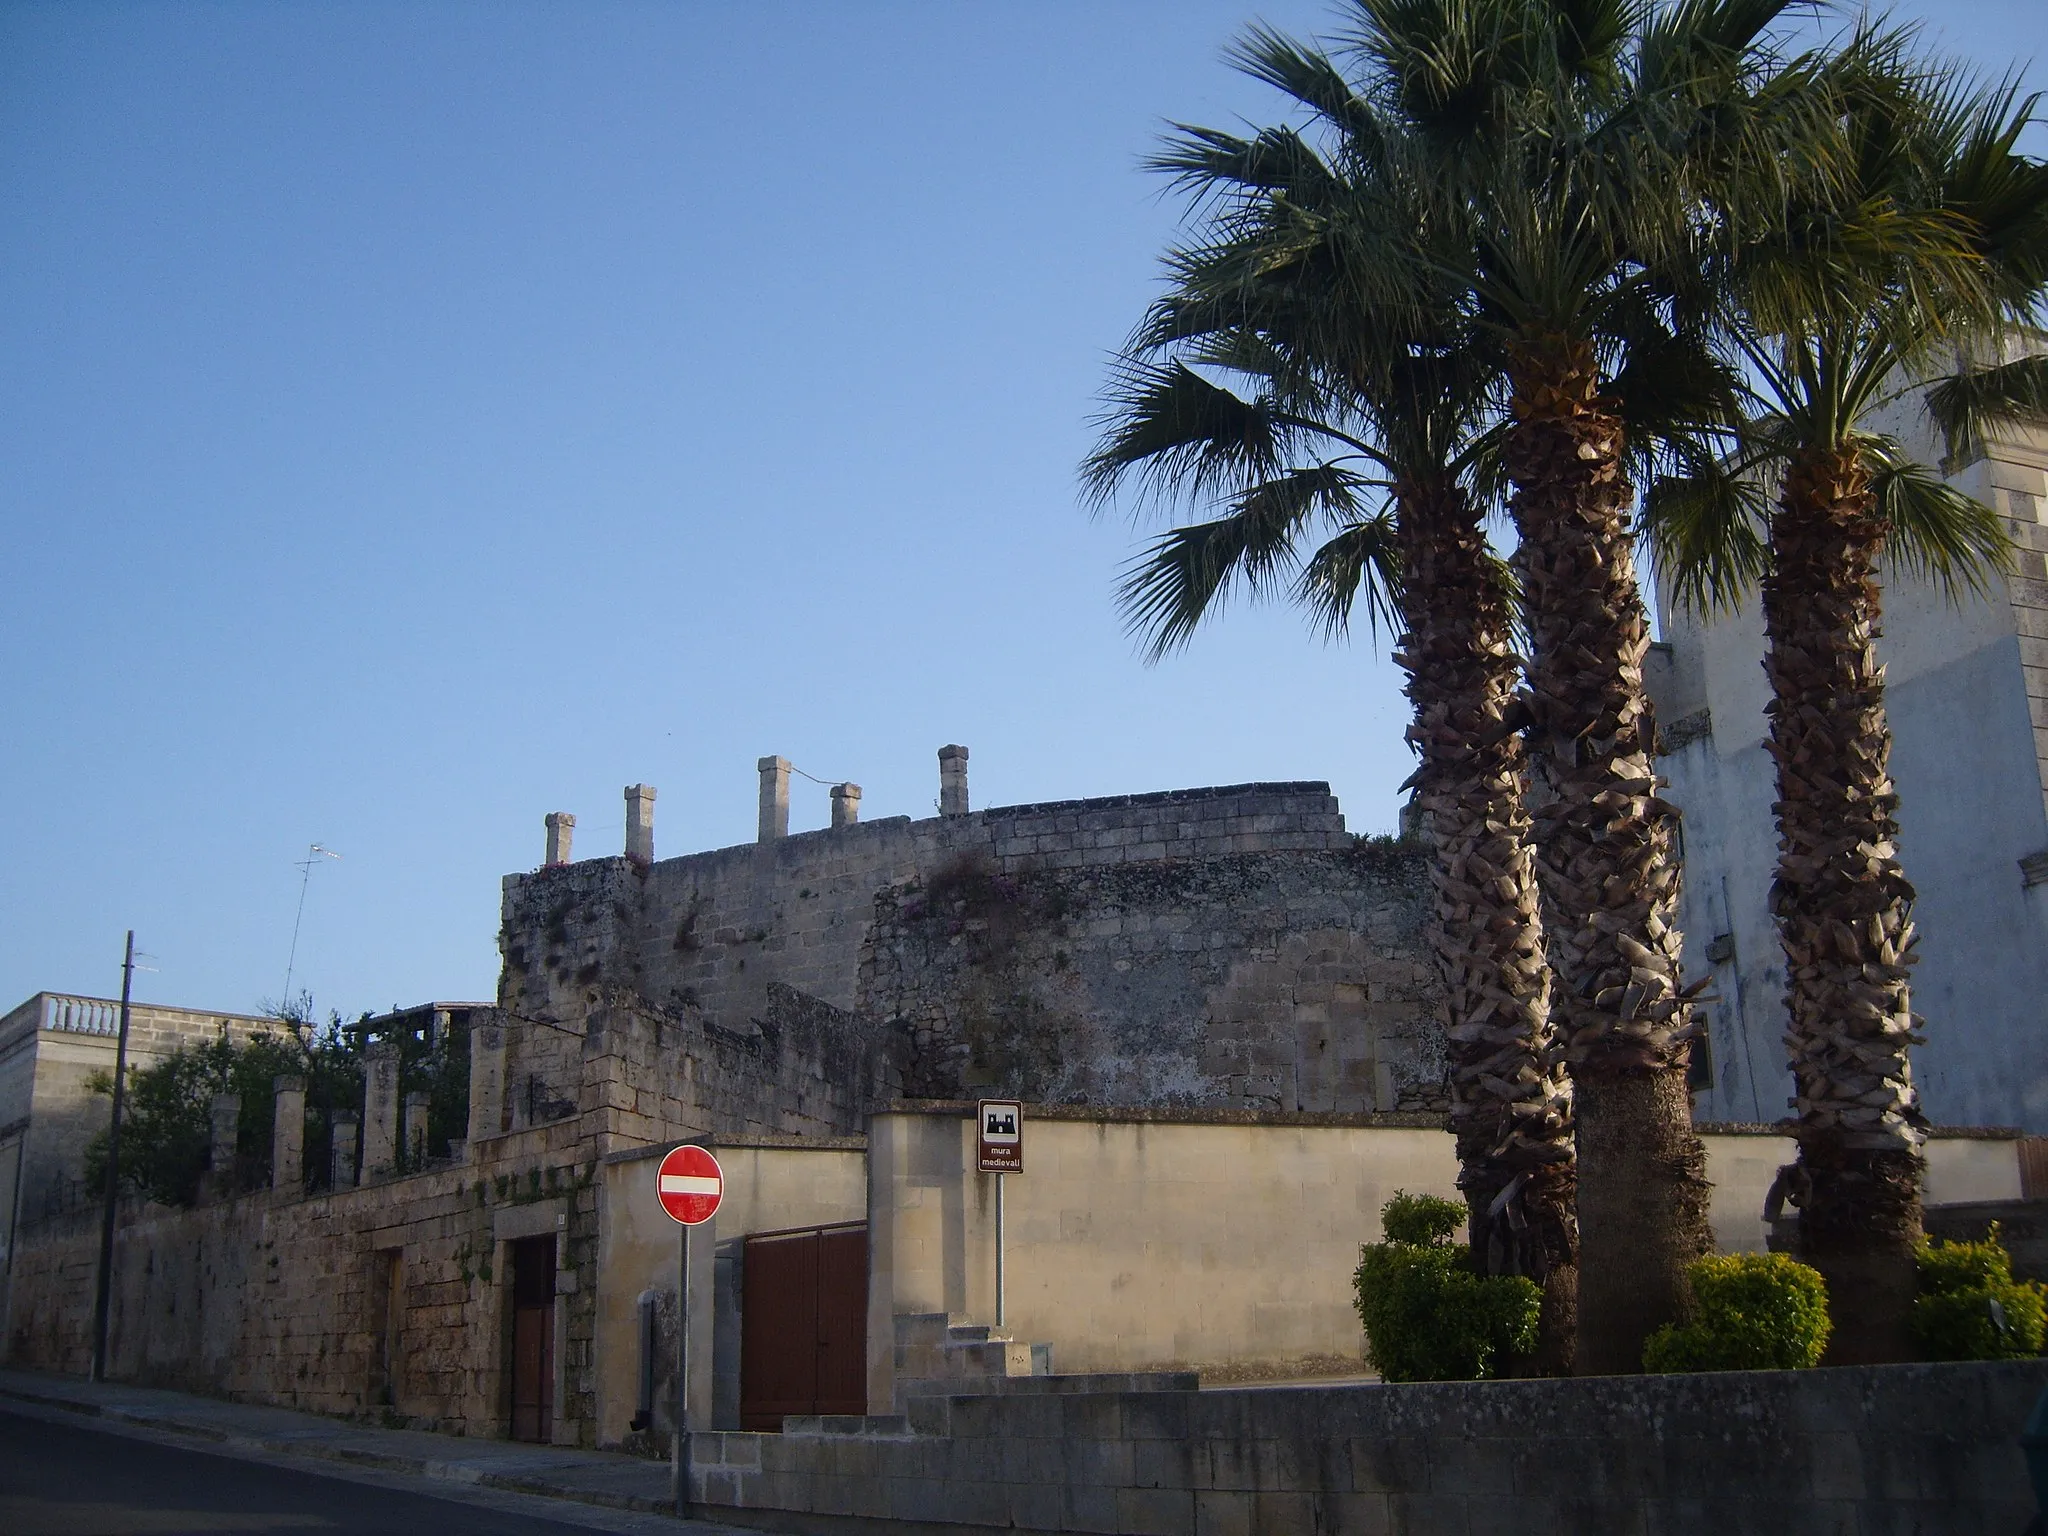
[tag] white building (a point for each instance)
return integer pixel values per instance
(1967, 694)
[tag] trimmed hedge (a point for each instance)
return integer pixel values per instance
(1752, 1312)
(1427, 1316)
(1971, 1308)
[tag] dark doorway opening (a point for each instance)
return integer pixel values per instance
(533, 1339)
(803, 1324)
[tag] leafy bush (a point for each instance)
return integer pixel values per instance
(167, 1111)
(1971, 1308)
(1752, 1312)
(1427, 1316)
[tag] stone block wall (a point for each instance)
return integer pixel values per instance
(714, 948)
(1869, 1451)
(1275, 981)
(279, 1300)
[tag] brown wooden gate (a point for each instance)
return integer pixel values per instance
(533, 1338)
(804, 1324)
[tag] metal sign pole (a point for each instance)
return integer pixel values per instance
(680, 1475)
(999, 1250)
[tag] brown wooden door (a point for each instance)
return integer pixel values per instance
(533, 1338)
(803, 1325)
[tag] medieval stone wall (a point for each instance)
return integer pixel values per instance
(1279, 980)
(713, 952)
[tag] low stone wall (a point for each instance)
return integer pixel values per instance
(274, 1299)
(1930, 1449)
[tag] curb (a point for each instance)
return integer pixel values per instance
(417, 1466)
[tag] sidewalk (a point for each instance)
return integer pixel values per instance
(600, 1478)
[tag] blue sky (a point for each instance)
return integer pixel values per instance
(420, 417)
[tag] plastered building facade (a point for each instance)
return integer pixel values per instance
(1966, 683)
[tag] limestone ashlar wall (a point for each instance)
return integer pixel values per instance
(797, 1067)
(281, 1301)
(1289, 981)
(699, 943)
(1866, 1451)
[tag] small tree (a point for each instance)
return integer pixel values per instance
(167, 1126)
(167, 1122)
(1427, 1315)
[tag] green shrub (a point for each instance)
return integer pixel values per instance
(1971, 1308)
(1752, 1312)
(1420, 1221)
(1427, 1316)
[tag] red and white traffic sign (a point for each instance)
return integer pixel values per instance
(690, 1184)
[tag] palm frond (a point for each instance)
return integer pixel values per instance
(1972, 403)
(1187, 573)
(1179, 432)
(1934, 531)
(1363, 561)
(1706, 532)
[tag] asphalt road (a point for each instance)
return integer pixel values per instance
(63, 1479)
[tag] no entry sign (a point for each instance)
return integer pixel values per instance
(690, 1184)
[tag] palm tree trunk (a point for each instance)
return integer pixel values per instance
(1511, 1107)
(1844, 907)
(1605, 858)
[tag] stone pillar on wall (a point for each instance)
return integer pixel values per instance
(380, 1109)
(952, 781)
(486, 1079)
(288, 1135)
(343, 1166)
(640, 822)
(416, 1130)
(774, 798)
(561, 835)
(845, 804)
(227, 1110)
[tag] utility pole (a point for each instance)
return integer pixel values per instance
(103, 1290)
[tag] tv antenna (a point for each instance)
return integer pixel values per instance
(314, 854)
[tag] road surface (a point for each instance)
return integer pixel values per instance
(62, 1478)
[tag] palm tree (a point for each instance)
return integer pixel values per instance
(1594, 153)
(1932, 236)
(1366, 438)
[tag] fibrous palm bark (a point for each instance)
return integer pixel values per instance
(1511, 1105)
(1605, 859)
(1843, 903)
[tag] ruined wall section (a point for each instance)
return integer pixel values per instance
(799, 1068)
(740, 967)
(1281, 980)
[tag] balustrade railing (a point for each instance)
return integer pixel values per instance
(81, 1015)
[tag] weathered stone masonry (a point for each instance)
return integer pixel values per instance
(1218, 946)
(1286, 981)
(1221, 947)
